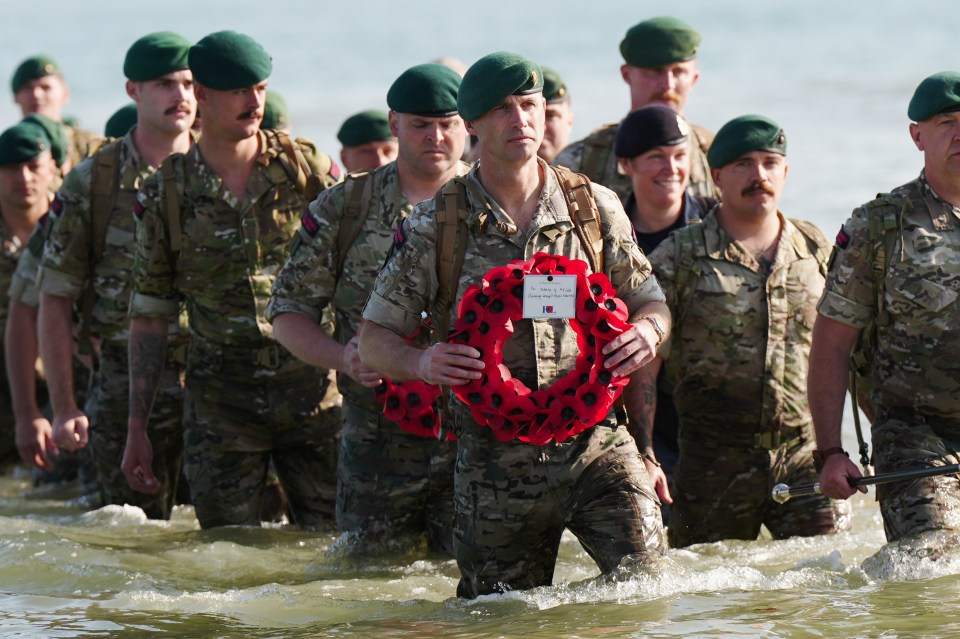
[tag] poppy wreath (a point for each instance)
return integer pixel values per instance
(573, 403)
(412, 405)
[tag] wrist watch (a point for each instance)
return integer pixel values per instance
(656, 326)
(820, 456)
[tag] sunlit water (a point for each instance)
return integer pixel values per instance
(836, 75)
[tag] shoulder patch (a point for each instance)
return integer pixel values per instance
(843, 238)
(57, 205)
(309, 224)
(137, 209)
(334, 169)
(399, 236)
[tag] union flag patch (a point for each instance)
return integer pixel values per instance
(57, 205)
(309, 224)
(843, 238)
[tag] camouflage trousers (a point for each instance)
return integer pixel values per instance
(724, 492)
(107, 409)
(514, 500)
(239, 419)
(906, 442)
(392, 485)
(8, 425)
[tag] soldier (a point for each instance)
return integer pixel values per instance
(559, 120)
(653, 150)
(660, 67)
(276, 113)
(513, 500)
(368, 142)
(741, 287)
(391, 485)
(214, 228)
(85, 273)
(122, 120)
(893, 279)
(26, 169)
(38, 87)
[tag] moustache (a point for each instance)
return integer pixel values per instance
(182, 106)
(758, 186)
(246, 115)
(668, 95)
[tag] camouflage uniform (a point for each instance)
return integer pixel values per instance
(248, 399)
(390, 483)
(10, 250)
(513, 500)
(910, 295)
(66, 270)
(737, 361)
(83, 143)
(601, 165)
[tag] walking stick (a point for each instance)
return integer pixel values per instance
(782, 493)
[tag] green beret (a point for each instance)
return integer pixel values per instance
(228, 60)
(121, 122)
(937, 94)
(56, 133)
(659, 41)
(554, 88)
(276, 114)
(743, 135)
(156, 55)
(426, 89)
(39, 66)
(494, 77)
(364, 127)
(23, 142)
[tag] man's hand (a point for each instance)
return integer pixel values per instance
(450, 364)
(835, 477)
(71, 431)
(35, 443)
(630, 350)
(137, 464)
(659, 480)
(355, 368)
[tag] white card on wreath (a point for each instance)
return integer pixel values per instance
(549, 296)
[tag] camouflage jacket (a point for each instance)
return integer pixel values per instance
(23, 284)
(911, 296)
(83, 143)
(10, 250)
(231, 248)
(65, 268)
(737, 356)
(541, 350)
(309, 280)
(601, 166)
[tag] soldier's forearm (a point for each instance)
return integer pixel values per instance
(827, 378)
(383, 350)
(654, 309)
(148, 352)
(21, 351)
(307, 340)
(55, 331)
(640, 396)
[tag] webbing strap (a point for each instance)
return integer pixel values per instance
(360, 187)
(584, 213)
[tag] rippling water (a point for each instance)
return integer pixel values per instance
(111, 572)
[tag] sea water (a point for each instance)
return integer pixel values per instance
(836, 75)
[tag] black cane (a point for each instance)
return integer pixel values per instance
(782, 493)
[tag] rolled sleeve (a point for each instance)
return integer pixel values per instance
(146, 306)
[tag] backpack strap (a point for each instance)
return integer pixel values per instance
(295, 164)
(584, 213)
(104, 184)
(171, 203)
(359, 188)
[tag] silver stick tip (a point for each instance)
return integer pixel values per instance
(781, 493)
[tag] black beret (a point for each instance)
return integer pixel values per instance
(56, 133)
(743, 135)
(38, 66)
(121, 121)
(364, 127)
(23, 142)
(155, 55)
(228, 60)
(938, 93)
(649, 127)
(659, 41)
(426, 89)
(494, 77)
